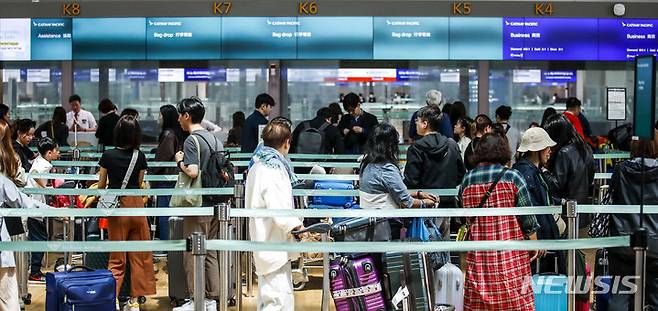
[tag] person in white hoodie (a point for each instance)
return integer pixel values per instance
(269, 186)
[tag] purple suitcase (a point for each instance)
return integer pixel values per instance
(355, 285)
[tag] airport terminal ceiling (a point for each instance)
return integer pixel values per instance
(144, 54)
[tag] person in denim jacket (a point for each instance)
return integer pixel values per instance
(381, 182)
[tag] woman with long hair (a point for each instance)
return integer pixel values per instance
(170, 141)
(381, 182)
(235, 133)
(114, 166)
(571, 162)
(9, 161)
(483, 125)
(497, 280)
(55, 128)
(462, 132)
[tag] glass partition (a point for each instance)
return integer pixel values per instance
(31, 89)
(531, 87)
(392, 91)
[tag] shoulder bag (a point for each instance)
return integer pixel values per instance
(112, 200)
(187, 182)
(464, 232)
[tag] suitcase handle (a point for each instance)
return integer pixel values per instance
(85, 268)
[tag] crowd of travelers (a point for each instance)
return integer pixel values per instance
(492, 163)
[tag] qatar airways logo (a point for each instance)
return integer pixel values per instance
(557, 284)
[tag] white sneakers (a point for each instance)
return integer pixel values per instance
(131, 306)
(211, 305)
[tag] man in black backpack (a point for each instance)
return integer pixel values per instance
(317, 136)
(194, 161)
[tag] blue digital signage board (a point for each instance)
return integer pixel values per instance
(623, 39)
(410, 38)
(550, 38)
(109, 38)
(645, 97)
(183, 38)
(259, 37)
(51, 39)
(335, 38)
(476, 38)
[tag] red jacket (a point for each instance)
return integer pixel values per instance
(575, 122)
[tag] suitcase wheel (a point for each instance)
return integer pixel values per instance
(231, 302)
(27, 299)
(141, 300)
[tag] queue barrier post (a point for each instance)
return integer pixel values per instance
(639, 242)
(224, 219)
(238, 193)
(570, 209)
(197, 245)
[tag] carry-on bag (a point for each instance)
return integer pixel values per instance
(550, 289)
(355, 284)
(449, 287)
(602, 269)
(87, 290)
(332, 200)
(176, 274)
(410, 270)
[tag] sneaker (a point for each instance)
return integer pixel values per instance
(131, 306)
(118, 305)
(37, 277)
(189, 306)
(211, 305)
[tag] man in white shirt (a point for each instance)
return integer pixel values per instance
(78, 119)
(269, 186)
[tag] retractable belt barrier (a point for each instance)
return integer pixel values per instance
(147, 177)
(352, 157)
(316, 247)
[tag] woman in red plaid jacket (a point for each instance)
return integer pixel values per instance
(497, 280)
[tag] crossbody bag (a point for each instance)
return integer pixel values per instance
(112, 200)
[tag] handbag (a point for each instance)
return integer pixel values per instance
(600, 225)
(187, 182)
(464, 232)
(112, 200)
(425, 230)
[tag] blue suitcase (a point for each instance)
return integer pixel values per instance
(341, 202)
(550, 292)
(87, 290)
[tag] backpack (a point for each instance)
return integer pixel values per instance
(311, 140)
(620, 136)
(219, 173)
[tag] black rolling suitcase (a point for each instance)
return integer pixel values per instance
(410, 270)
(178, 290)
(177, 278)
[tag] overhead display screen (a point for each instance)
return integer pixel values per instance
(109, 38)
(623, 39)
(645, 97)
(550, 38)
(476, 38)
(15, 39)
(259, 37)
(183, 38)
(335, 38)
(51, 39)
(410, 37)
